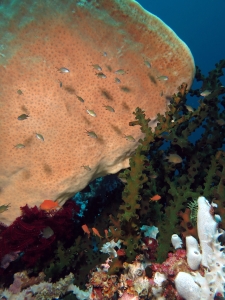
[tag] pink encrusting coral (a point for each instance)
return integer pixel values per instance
(71, 75)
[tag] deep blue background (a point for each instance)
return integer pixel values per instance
(199, 23)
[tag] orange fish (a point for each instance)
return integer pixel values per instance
(95, 232)
(106, 233)
(155, 198)
(48, 205)
(86, 230)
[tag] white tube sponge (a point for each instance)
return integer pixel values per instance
(79, 293)
(193, 255)
(206, 229)
(186, 287)
(176, 241)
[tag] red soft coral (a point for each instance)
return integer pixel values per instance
(25, 234)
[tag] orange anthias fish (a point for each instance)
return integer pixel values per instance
(48, 205)
(95, 232)
(155, 198)
(86, 230)
(106, 233)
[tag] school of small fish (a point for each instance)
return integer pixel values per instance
(50, 204)
(94, 231)
(91, 112)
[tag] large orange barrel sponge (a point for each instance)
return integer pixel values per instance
(71, 74)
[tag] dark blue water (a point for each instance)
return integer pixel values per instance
(199, 23)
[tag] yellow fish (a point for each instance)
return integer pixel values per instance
(174, 158)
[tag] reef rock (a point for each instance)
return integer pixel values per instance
(71, 75)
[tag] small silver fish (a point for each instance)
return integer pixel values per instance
(220, 122)
(205, 93)
(4, 208)
(97, 67)
(129, 138)
(117, 80)
(19, 146)
(80, 99)
(39, 136)
(163, 78)
(147, 63)
(86, 168)
(63, 70)
(19, 92)
(101, 75)
(47, 232)
(60, 83)
(92, 134)
(174, 158)
(189, 108)
(123, 180)
(109, 108)
(23, 117)
(91, 112)
(109, 68)
(120, 72)
(153, 176)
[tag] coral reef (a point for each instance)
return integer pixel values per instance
(151, 233)
(41, 291)
(68, 92)
(137, 282)
(143, 279)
